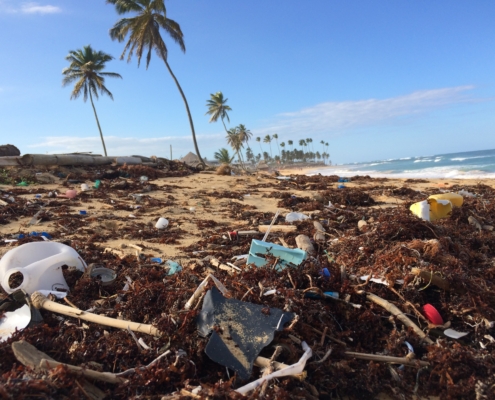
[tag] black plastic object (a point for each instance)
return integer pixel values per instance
(240, 330)
(18, 299)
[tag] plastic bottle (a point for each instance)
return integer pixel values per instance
(40, 264)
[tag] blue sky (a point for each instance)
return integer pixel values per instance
(375, 79)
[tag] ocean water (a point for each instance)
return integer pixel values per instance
(465, 165)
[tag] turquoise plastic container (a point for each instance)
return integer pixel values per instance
(287, 257)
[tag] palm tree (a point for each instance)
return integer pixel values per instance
(244, 133)
(218, 108)
(282, 144)
(258, 139)
(302, 143)
(223, 156)
(86, 68)
(268, 140)
(144, 33)
(275, 136)
(234, 140)
(290, 143)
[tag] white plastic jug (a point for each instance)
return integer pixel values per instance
(40, 264)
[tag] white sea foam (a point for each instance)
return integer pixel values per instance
(426, 173)
(424, 160)
(467, 158)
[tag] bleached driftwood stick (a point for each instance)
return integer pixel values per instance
(392, 309)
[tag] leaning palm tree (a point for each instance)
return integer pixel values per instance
(217, 108)
(85, 69)
(223, 156)
(144, 34)
(245, 133)
(234, 140)
(268, 139)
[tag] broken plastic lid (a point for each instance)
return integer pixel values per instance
(106, 275)
(239, 330)
(19, 313)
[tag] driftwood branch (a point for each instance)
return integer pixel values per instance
(40, 301)
(392, 309)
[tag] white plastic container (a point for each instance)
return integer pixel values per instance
(162, 223)
(40, 264)
(84, 187)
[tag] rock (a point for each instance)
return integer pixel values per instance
(7, 150)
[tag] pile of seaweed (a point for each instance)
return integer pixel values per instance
(360, 343)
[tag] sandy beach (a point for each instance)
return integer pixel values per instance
(367, 230)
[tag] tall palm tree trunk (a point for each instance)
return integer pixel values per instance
(98, 123)
(187, 109)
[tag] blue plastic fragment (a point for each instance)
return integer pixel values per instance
(341, 187)
(325, 273)
(173, 267)
(82, 212)
(313, 295)
(156, 260)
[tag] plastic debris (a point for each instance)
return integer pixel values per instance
(106, 275)
(172, 267)
(18, 314)
(162, 223)
(451, 333)
(295, 216)
(40, 265)
(294, 369)
(241, 331)
(284, 257)
(432, 314)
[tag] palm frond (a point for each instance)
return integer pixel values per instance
(125, 6)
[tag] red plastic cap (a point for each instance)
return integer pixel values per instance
(432, 314)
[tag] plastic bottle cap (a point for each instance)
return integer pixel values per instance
(432, 314)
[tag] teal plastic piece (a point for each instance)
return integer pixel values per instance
(97, 184)
(173, 267)
(287, 257)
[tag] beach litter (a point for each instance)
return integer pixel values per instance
(38, 266)
(358, 297)
(239, 330)
(279, 257)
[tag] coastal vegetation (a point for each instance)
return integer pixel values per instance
(144, 35)
(86, 70)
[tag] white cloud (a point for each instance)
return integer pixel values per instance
(333, 117)
(35, 8)
(6, 6)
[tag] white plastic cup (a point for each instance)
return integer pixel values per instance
(162, 223)
(84, 187)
